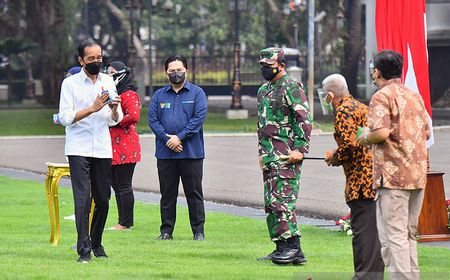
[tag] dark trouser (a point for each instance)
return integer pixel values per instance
(367, 259)
(90, 176)
(122, 176)
(191, 173)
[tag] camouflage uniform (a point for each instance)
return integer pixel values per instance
(284, 125)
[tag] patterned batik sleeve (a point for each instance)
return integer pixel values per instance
(301, 117)
(379, 112)
(346, 136)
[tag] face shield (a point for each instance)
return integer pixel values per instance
(327, 108)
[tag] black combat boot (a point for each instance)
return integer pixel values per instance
(294, 243)
(291, 254)
(286, 255)
(279, 244)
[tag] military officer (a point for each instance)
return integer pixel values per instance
(284, 128)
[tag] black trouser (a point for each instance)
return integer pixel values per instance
(367, 259)
(90, 176)
(122, 176)
(191, 173)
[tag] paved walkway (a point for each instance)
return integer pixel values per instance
(231, 172)
(232, 180)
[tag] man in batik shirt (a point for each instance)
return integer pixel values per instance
(284, 129)
(399, 130)
(356, 160)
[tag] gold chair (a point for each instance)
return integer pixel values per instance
(54, 174)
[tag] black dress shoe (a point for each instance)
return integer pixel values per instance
(199, 236)
(165, 236)
(84, 258)
(99, 252)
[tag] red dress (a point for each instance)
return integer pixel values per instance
(125, 140)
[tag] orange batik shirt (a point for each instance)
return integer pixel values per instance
(355, 159)
(401, 161)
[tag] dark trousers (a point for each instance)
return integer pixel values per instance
(122, 176)
(90, 176)
(367, 259)
(191, 173)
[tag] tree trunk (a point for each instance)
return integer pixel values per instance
(41, 17)
(352, 45)
(281, 22)
(140, 50)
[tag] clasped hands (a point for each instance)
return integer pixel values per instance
(174, 143)
(103, 99)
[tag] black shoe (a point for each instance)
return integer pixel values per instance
(99, 252)
(199, 237)
(165, 236)
(84, 258)
(288, 256)
(268, 257)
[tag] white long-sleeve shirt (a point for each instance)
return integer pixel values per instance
(90, 136)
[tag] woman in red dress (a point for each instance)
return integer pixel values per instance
(125, 144)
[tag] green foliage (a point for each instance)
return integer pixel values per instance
(13, 48)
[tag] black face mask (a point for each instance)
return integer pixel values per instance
(177, 78)
(269, 73)
(93, 68)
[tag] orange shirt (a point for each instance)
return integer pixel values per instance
(355, 159)
(401, 161)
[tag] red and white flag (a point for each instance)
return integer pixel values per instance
(401, 26)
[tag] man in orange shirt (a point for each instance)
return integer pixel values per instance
(356, 160)
(398, 131)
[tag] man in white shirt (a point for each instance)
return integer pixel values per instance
(83, 110)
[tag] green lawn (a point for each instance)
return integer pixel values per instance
(28, 122)
(232, 244)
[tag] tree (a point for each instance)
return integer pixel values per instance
(50, 23)
(14, 49)
(353, 44)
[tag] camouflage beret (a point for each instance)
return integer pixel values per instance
(270, 55)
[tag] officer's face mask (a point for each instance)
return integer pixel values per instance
(269, 73)
(177, 78)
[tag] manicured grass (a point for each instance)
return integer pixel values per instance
(22, 122)
(28, 122)
(232, 244)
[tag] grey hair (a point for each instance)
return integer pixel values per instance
(336, 83)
